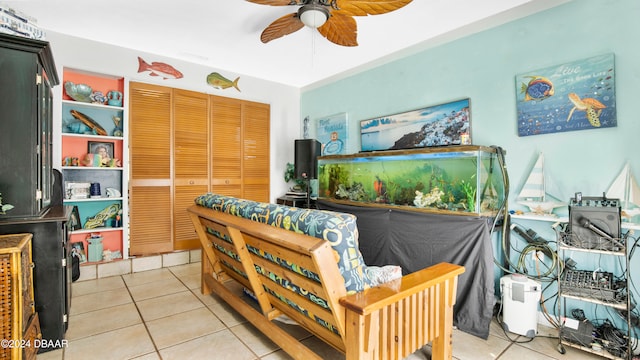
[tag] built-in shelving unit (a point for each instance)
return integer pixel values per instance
(96, 185)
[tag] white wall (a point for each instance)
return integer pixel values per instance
(76, 53)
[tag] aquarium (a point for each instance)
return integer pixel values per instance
(463, 180)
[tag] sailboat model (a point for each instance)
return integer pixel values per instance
(534, 194)
(625, 188)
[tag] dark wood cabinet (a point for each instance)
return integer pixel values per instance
(51, 276)
(27, 179)
(27, 74)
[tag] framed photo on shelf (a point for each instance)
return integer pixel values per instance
(77, 249)
(75, 223)
(77, 190)
(102, 148)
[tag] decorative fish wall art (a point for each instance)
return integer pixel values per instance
(161, 69)
(220, 82)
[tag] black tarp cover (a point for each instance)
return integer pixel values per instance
(415, 240)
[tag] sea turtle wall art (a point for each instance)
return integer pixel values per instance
(579, 95)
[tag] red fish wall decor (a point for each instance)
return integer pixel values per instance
(161, 69)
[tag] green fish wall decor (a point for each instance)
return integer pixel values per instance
(220, 82)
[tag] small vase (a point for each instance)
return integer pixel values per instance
(114, 98)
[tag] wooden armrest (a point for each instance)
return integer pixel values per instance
(373, 299)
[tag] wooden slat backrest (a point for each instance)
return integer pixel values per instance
(224, 261)
(305, 251)
(307, 260)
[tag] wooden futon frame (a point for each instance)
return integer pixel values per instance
(390, 321)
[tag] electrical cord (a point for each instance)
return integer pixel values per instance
(614, 340)
(505, 212)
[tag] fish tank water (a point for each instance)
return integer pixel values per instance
(462, 180)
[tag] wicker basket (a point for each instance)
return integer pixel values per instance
(16, 290)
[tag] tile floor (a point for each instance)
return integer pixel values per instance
(160, 314)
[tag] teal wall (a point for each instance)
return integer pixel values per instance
(483, 67)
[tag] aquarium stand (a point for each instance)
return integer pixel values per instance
(415, 240)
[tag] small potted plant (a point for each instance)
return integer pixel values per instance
(4, 207)
(289, 174)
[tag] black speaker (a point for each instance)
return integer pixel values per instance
(306, 158)
(594, 223)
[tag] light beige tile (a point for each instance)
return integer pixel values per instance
(168, 305)
(186, 269)
(123, 343)
(222, 345)
(225, 312)
(518, 352)
(88, 272)
(192, 281)
(102, 300)
(277, 355)
(144, 277)
(146, 263)
(549, 347)
(258, 342)
(469, 347)
(195, 255)
(178, 328)
(99, 321)
(208, 299)
(495, 329)
(151, 356)
(156, 288)
(51, 355)
(118, 267)
(97, 285)
(175, 258)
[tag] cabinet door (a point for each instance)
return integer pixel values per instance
(190, 161)
(226, 146)
(151, 179)
(19, 165)
(255, 142)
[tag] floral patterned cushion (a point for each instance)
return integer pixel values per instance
(338, 228)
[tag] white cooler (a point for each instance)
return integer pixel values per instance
(520, 301)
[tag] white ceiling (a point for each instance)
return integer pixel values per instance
(225, 34)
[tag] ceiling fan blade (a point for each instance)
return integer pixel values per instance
(368, 7)
(285, 25)
(340, 29)
(277, 2)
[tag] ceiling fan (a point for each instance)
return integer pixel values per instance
(333, 18)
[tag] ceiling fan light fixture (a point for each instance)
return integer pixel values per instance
(313, 15)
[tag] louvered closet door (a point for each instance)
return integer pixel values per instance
(151, 179)
(191, 161)
(226, 146)
(255, 167)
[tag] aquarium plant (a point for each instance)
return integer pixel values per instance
(469, 190)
